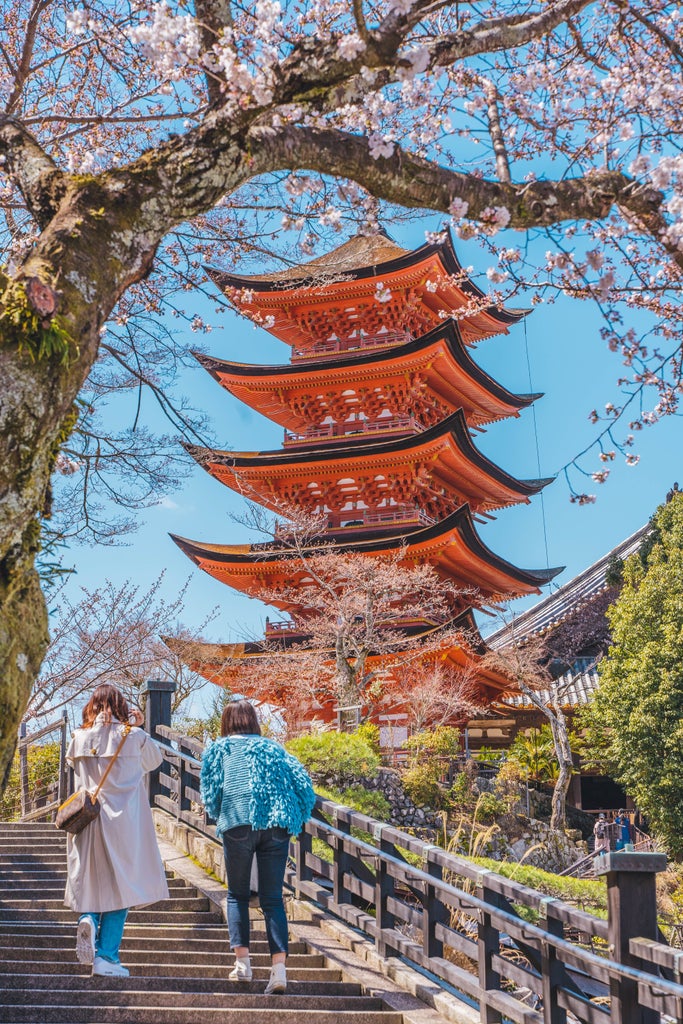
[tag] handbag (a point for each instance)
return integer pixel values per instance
(82, 807)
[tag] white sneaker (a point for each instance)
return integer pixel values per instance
(107, 969)
(241, 971)
(277, 983)
(85, 940)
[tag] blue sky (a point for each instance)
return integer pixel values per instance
(569, 363)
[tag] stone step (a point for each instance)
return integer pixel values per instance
(53, 891)
(191, 904)
(305, 972)
(27, 859)
(38, 916)
(170, 958)
(74, 983)
(33, 843)
(201, 1014)
(227, 1000)
(140, 931)
(219, 944)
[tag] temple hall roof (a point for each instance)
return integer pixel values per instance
(554, 608)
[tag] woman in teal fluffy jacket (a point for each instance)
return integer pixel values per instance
(259, 796)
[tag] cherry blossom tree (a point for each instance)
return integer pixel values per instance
(525, 661)
(113, 635)
(139, 139)
(359, 630)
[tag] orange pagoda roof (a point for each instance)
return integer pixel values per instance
(367, 285)
(438, 469)
(452, 546)
(221, 662)
(430, 377)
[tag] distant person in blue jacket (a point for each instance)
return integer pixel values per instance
(259, 796)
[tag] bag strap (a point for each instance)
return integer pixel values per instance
(111, 763)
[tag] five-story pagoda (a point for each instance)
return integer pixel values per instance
(378, 404)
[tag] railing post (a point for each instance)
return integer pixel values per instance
(632, 913)
(303, 845)
(488, 940)
(384, 891)
(342, 860)
(63, 790)
(157, 712)
(185, 778)
(23, 770)
(433, 910)
(551, 966)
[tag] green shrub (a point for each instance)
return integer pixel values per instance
(43, 773)
(367, 801)
(369, 732)
(442, 742)
(489, 806)
(421, 783)
(463, 794)
(344, 754)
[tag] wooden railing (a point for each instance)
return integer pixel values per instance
(533, 959)
(349, 431)
(339, 346)
(40, 798)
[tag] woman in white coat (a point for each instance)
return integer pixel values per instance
(114, 863)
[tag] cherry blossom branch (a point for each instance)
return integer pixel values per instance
(671, 44)
(496, 132)
(35, 173)
(213, 17)
(24, 67)
(414, 182)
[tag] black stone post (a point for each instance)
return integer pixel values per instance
(157, 712)
(632, 913)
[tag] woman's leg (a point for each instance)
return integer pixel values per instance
(110, 933)
(238, 849)
(272, 848)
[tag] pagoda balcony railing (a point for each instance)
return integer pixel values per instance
(341, 431)
(362, 520)
(276, 627)
(358, 519)
(335, 346)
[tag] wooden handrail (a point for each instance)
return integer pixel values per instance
(382, 881)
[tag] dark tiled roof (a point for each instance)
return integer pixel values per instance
(553, 609)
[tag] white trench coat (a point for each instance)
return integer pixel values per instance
(114, 862)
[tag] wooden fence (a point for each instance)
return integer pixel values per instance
(39, 798)
(516, 953)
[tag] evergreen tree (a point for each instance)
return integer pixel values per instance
(635, 721)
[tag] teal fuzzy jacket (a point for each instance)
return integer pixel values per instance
(281, 791)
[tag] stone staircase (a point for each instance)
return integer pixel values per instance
(177, 952)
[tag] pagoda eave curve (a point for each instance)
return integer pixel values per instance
(439, 355)
(290, 280)
(453, 546)
(424, 286)
(446, 453)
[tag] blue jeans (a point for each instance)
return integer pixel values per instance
(108, 933)
(271, 846)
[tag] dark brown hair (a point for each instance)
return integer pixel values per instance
(105, 698)
(239, 716)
